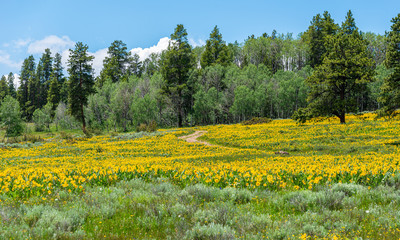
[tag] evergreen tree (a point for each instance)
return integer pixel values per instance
(135, 66)
(315, 36)
(43, 74)
(11, 86)
(81, 81)
(176, 65)
(3, 88)
(391, 86)
(151, 64)
(115, 64)
(27, 72)
(347, 66)
(34, 95)
(56, 81)
(216, 51)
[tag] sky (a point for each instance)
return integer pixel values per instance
(28, 27)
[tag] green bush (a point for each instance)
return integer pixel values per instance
(10, 117)
(42, 118)
(256, 120)
(210, 232)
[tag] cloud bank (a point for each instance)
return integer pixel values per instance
(54, 43)
(145, 52)
(62, 45)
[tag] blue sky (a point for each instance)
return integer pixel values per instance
(27, 27)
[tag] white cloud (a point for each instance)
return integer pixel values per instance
(5, 59)
(55, 43)
(16, 80)
(98, 60)
(197, 43)
(22, 42)
(145, 52)
(63, 44)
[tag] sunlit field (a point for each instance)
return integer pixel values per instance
(333, 181)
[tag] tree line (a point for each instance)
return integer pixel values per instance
(330, 69)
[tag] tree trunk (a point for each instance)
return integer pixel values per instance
(83, 119)
(342, 118)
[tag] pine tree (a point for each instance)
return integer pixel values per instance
(27, 72)
(3, 88)
(316, 35)
(11, 85)
(391, 87)
(176, 64)
(34, 91)
(43, 74)
(346, 67)
(216, 51)
(81, 81)
(115, 64)
(56, 81)
(135, 66)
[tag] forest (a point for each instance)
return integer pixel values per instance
(330, 69)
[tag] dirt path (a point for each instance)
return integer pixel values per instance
(192, 138)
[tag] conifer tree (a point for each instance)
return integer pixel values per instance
(56, 81)
(316, 35)
(11, 85)
(115, 64)
(391, 87)
(43, 74)
(135, 66)
(216, 51)
(176, 64)
(3, 88)
(81, 81)
(27, 72)
(346, 67)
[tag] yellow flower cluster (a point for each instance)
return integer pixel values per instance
(243, 156)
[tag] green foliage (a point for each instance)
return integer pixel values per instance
(344, 72)
(390, 88)
(56, 82)
(256, 120)
(177, 61)
(42, 118)
(3, 88)
(10, 117)
(11, 85)
(242, 107)
(62, 119)
(216, 51)
(81, 82)
(302, 115)
(43, 74)
(316, 37)
(27, 72)
(114, 65)
(135, 66)
(143, 109)
(121, 102)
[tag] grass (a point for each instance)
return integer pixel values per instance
(137, 209)
(316, 194)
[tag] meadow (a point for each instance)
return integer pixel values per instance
(337, 181)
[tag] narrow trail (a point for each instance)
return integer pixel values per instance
(192, 138)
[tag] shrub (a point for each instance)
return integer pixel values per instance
(10, 117)
(152, 127)
(210, 232)
(256, 120)
(142, 127)
(42, 118)
(347, 188)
